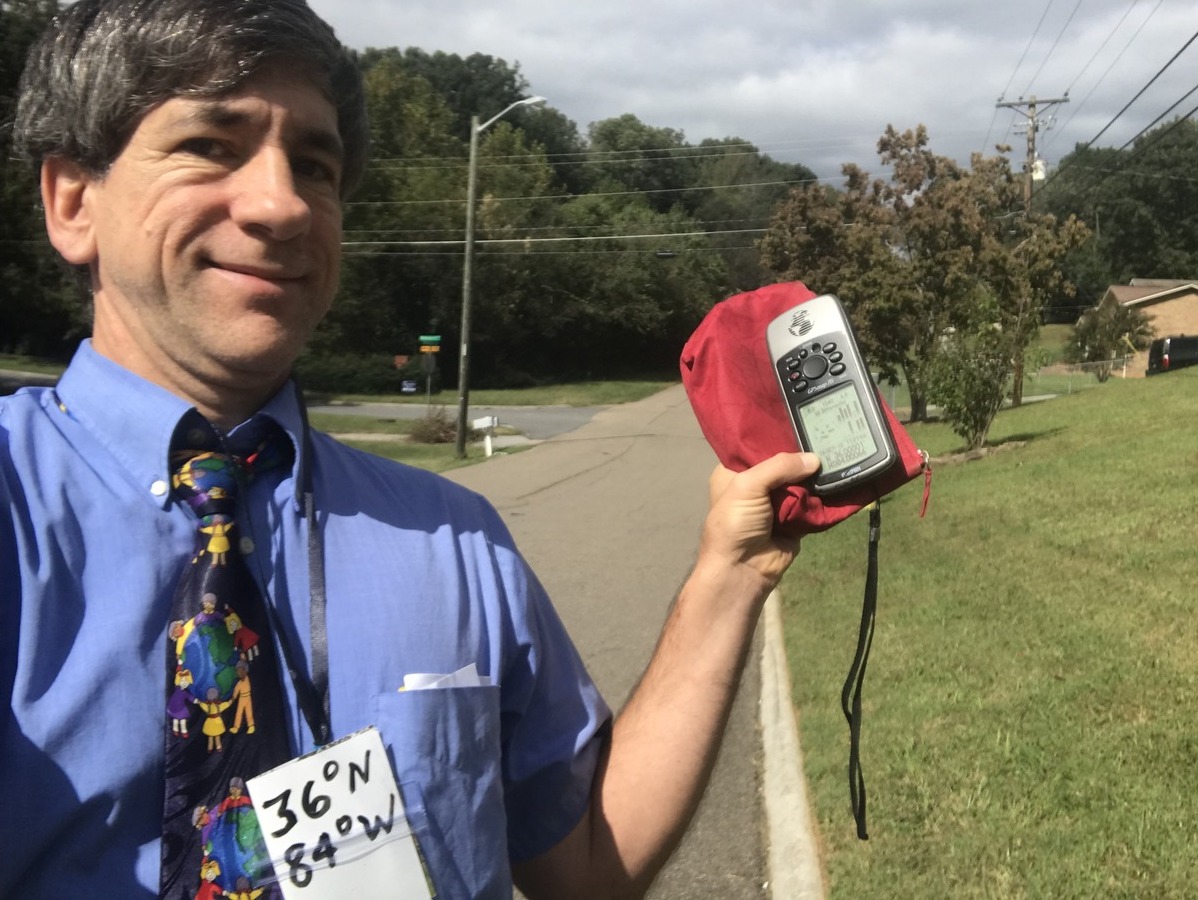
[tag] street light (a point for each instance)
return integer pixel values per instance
(468, 266)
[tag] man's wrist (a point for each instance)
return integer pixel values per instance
(730, 583)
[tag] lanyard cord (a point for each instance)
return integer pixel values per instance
(850, 697)
(311, 693)
(316, 708)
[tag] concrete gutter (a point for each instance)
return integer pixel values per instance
(794, 866)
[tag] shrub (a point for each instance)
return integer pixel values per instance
(438, 428)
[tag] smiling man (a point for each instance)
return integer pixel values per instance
(213, 238)
(193, 156)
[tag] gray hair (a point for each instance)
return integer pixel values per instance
(102, 65)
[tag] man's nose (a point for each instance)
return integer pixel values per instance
(267, 199)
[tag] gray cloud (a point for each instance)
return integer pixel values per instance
(817, 81)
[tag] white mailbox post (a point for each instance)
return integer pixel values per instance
(486, 425)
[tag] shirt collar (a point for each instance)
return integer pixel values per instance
(135, 419)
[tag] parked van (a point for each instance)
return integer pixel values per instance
(1174, 352)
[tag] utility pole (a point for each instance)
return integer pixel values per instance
(1034, 110)
(1034, 122)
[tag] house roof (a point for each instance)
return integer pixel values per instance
(1160, 282)
(1146, 291)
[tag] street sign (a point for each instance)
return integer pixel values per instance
(430, 348)
(430, 338)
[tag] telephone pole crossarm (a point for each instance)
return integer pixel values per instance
(1034, 111)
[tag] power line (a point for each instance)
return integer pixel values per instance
(677, 190)
(1176, 103)
(1140, 93)
(1077, 109)
(689, 150)
(362, 233)
(1107, 40)
(1139, 151)
(553, 240)
(1151, 81)
(1030, 41)
(578, 158)
(1047, 56)
(573, 252)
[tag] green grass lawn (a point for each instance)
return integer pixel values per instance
(29, 364)
(392, 441)
(1029, 720)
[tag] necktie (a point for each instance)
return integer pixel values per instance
(225, 719)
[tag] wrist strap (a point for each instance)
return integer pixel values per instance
(850, 696)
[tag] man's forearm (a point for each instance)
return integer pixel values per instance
(664, 743)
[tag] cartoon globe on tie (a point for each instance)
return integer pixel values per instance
(232, 838)
(208, 651)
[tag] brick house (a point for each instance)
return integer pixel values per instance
(1171, 305)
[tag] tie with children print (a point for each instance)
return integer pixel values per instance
(225, 718)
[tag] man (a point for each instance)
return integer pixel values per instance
(194, 155)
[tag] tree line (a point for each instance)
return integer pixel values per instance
(598, 253)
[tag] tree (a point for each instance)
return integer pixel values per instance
(44, 310)
(967, 378)
(391, 290)
(633, 156)
(738, 189)
(1107, 331)
(1141, 201)
(938, 259)
(476, 85)
(901, 253)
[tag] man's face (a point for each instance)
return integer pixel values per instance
(216, 236)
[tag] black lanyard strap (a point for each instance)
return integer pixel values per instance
(316, 708)
(850, 697)
(312, 693)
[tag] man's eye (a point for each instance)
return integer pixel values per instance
(315, 170)
(208, 148)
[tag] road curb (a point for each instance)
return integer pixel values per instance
(794, 865)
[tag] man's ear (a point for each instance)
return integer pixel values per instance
(68, 219)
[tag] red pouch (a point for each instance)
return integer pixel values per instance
(730, 381)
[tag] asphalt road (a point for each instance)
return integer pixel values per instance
(537, 423)
(609, 516)
(10, 380)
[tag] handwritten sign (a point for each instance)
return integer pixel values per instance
(335, 826)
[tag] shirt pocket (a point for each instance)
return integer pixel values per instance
(445, 747)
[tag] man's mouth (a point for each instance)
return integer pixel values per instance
(263, 272)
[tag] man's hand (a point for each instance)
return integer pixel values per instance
(739, 529)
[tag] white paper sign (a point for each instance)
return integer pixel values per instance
(335, 826)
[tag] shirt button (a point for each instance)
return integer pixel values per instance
(247, 546)
(158, 488)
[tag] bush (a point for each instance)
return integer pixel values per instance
(967, 380)
(438, 428)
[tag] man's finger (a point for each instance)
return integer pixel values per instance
(768, 475)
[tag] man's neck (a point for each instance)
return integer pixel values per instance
(225, 401)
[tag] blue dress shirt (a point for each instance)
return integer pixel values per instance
(421, 576)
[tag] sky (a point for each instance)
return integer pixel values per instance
(817, 81)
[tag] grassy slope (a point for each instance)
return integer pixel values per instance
(1029, 707)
